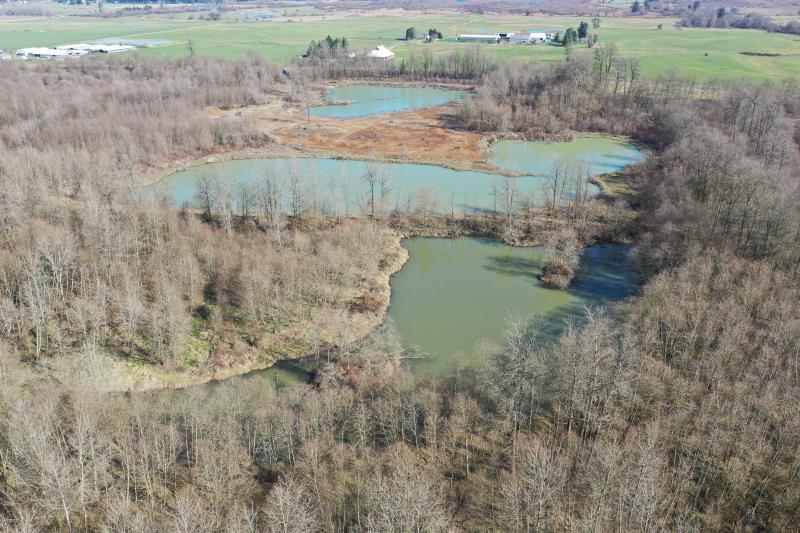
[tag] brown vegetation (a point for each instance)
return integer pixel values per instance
(681, 414)
(90, 270)
(417, 135)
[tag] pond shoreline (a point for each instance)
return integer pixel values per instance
(128, 376)
(281, 151)
(154, 378)
(308, 364)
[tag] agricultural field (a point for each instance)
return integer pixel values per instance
(703, 53)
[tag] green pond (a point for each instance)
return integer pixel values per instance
(352, 101)
(339, 186)
(596, 155)
(454, 293)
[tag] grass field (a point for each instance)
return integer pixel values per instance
(703, 53)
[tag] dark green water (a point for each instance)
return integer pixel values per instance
(452, 293)
(353, 101)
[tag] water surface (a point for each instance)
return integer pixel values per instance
(452, 293)
(596, 155)
(353, 101)
(340, 186)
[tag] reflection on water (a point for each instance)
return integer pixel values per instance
(335, 186)
(453, 293)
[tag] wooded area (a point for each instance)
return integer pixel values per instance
(682, 413)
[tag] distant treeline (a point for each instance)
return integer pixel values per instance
(335, 62)
(723, 18)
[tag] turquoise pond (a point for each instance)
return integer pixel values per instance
(352, 101)
(339, 185)
(591, 155)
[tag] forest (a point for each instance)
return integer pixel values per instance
(679, 412)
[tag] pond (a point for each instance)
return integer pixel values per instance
(339, 186)
(352, 101)
(597, 155)
(452, 293)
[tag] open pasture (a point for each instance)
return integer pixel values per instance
(703, 53)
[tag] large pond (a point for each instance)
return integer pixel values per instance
(596, 155)
(454, 293)
(353, 101)
(340, 186)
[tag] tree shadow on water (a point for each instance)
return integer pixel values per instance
(518, 267)
(605, 275)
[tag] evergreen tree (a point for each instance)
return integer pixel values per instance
(583, 30)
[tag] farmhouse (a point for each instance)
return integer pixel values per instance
(495, 38)
(382, 53)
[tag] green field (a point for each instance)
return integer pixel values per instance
(703, 53)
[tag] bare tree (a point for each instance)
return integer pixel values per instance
(289, 509)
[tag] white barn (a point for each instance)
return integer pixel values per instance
(110, 48)
(81, 47)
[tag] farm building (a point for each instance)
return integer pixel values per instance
(382, 53)
(46, 53)
(519, 38)
(541, 36)
(81, 47)
(109, 48)
(480, 38)
(68, 51)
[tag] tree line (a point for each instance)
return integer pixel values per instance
(701, 17)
